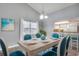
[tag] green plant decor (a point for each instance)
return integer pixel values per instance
(43, 32)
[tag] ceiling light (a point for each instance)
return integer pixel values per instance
(41, 16)
(62, 22)
(46, 17)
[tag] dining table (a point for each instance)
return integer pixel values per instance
(33, 47)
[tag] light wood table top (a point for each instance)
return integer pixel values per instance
(32, 47)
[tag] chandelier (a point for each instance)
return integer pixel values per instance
(43, 14)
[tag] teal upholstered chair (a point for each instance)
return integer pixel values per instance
(38, 35)
(3, 47)
(43, 37)
(5, 53)
(17, 53)
(27, 37)
(67, 45)
(61, 50)
(55, 36)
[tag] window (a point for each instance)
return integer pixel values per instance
(28, 27)
(34, 27)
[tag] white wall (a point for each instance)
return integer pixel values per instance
(16, 11)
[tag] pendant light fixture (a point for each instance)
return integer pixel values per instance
(43, 14)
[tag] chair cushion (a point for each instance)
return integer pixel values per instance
(54, 49)
(27, 37)
(16, 53)
(49, 53)
(55, 35)
(38, 35)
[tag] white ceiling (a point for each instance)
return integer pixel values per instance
(49, 7)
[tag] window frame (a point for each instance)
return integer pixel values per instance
(30, 29)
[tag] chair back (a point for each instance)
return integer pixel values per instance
(38, 35)
(55, 35)
(67, 45)
(3, 47)
(61, 50)
(27, 37)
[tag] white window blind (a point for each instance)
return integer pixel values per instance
(30, 27)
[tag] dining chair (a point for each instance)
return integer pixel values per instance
(38, 35)
(61, 50)
(5, 52)
(3, 48)
(67, 45)
(27, 37)
(55, 35)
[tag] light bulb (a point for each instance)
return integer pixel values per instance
(41, 16)
(45, 17)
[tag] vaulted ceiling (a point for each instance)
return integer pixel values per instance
(49, 7)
